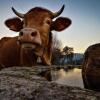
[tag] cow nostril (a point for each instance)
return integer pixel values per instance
(33, 33)
(21, 33)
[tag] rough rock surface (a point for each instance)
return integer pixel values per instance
(24, 83)
(91, 67)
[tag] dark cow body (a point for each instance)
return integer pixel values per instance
(35, 37)
(9, 51)
(91, 68)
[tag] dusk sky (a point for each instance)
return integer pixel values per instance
(85, 16)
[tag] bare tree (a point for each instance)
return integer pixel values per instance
(57, 45)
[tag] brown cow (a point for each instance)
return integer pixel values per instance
(35, 37)
(91, 67)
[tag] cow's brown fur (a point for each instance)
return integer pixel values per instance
(39, 19)
(9, 52)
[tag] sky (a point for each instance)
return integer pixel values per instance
(85, 16)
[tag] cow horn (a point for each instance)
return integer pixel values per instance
(59, 12)
(17, 13)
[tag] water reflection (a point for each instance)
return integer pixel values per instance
(71, 77)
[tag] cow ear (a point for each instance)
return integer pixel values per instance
(14, 24)
(61, 23)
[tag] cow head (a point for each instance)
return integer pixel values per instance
(35, 28)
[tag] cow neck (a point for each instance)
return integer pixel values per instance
(27, 57)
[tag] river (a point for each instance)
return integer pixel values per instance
(72, 77)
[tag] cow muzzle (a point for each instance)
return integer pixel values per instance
(29, 38)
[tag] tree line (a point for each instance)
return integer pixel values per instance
(62, 56)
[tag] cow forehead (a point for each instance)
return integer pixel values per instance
(37, 11)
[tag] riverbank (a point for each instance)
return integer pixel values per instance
(30, 83)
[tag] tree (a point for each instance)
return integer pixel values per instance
(68, 53)
(57, 45)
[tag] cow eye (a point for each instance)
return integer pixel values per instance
(48, 22)
(21, 33)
